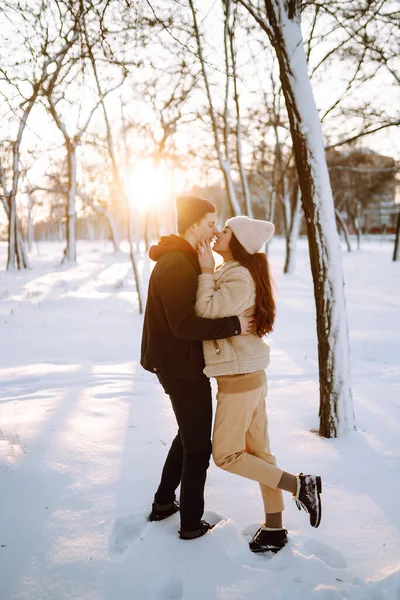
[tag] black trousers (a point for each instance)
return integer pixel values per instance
(189, 456)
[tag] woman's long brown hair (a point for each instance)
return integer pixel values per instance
(258, 266)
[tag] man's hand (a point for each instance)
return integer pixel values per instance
(205, 256)
(247, 323)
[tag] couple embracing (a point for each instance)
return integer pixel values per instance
(202, 322)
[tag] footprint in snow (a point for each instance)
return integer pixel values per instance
(249, 531)
(213, 518)
(330, 556)
(126, 530)
(241, 553)
(170, 589)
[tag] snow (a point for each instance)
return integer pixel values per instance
(84, 432)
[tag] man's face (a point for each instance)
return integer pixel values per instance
(207, 228)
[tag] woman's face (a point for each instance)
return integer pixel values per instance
(223, 239)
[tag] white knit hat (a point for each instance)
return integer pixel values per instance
(251, 233)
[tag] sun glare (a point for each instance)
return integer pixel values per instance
(149, 185)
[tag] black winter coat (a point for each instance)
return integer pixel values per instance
(172, 333)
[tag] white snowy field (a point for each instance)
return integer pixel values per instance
(84, 432)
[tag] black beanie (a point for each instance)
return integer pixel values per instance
(191, 210)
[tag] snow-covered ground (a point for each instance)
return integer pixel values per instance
(84, 432)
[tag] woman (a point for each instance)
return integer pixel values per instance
(240, 437)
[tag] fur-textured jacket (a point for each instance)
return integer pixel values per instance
(230, 291)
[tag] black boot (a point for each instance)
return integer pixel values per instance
(309, 488)
(159, 512)
(268, 540)
(192, 535)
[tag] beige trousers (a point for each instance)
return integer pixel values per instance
(240, 438)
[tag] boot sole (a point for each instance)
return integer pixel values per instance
(194, 535)
(260, 550)
(318, 483)
(319, 491)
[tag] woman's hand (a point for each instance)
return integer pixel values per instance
(205, 256)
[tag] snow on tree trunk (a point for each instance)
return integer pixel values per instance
(336, 404)
(70, 249)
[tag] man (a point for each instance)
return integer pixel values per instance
(172, 349)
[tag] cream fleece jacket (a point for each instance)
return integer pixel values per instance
(230, 291)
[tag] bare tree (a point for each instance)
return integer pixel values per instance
(365, 36)
(223, 152)
(360, 179)
(99, 208)
(110, 146)
(45, 58)
(55, 92)
(231, 52)
(281, 22)
(168, 93)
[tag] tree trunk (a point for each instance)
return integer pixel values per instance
(355, 216)
(146, 232)
(357, 224)
(343, 227)
(285, 201)
(12, 241)
(60, 229)
(30, 223)
(21, 249)
(230, 32)
(115, 171)
(224, 162)
(293, 236)
(70, 249)
(115, 239)
(396, 251)
(111, 222)
(242, 170)
(132, 257)
(230, 190)
(17, 257)
(336, 405)
(16, 251)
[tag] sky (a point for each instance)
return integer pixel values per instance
(47, 142)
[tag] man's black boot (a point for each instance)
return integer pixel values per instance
(192, 535)
(159, 512)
